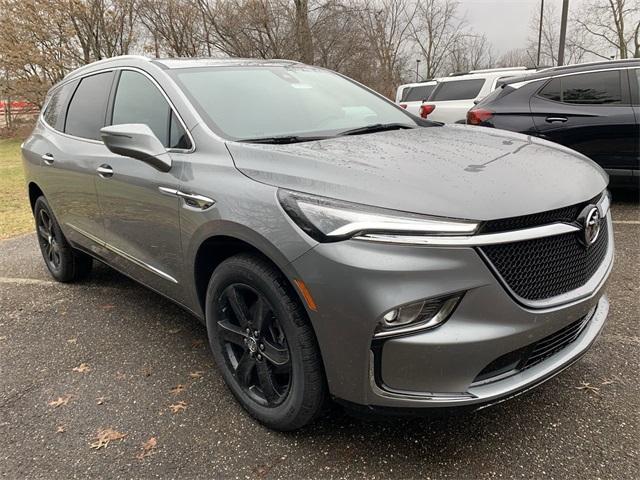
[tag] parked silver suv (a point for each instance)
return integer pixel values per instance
(332, 243)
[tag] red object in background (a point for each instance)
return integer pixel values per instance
(403, 105)
(18, 105)
(426, 109)
(476, 116)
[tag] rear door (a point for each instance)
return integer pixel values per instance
(141, 216)
(591, 113)
(73, 154)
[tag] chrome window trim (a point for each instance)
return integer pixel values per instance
(114, 69)
(544, 79)
(124, 254)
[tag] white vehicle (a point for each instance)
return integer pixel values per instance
(411, 96)
(456, 94)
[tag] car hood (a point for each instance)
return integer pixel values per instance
(453, 171)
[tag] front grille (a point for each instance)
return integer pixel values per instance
(549, 266)
(526, 357)
(565, 215)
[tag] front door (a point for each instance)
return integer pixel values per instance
(590, 113)
(142, 222)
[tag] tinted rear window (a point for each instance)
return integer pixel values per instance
(416, 94)
(457, 90)
(589, 88)
(54, 114)
(86, 112)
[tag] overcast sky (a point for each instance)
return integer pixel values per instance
(504, 22)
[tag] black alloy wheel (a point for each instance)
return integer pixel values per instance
(263, 342)
(65, 263)
(254, 344)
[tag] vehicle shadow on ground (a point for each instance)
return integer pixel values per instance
(435, 437)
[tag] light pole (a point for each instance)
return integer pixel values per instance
(540, 31)
(563, 31)
(417, 65)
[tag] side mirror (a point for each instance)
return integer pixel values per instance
(137, 140)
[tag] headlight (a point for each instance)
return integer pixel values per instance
(328, 220)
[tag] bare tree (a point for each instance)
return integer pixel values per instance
(176, 24)
(435, 30)
(614, 25)
(519, 57)
(386, 25)
(104, 28)
(470, 52)
(575, 46)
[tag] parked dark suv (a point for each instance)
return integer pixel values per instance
(592, 108)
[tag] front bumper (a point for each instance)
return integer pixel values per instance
(354, 282)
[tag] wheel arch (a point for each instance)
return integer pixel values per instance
(34, 192)
(212, 249)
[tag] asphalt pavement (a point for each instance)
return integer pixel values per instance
(106, 379)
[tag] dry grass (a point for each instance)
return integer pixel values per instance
(15, 214)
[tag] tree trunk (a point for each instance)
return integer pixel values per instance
(303, 31)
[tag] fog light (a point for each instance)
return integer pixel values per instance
(417, 316)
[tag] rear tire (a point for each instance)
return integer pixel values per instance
(65, 263)
(263, 343)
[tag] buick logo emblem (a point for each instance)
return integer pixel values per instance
(591, 225)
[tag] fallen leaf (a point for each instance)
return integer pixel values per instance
(100, 400)
(177, 389)
(107, 307)
(178, 407)
(121, 375)
(147, 448)
(4, 337)
(106, 436)
(64, 400)
(72, 340)
(586, 386)
(82, 368)
(197, 343)
(196, 374)
(175, 330)
(60, 429)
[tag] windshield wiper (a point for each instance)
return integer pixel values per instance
(376, 127)
(281, 140)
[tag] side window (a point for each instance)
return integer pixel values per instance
(457, 90)
(54, 113)
(138, 100)
(86, 112)
(417, 94)
(597, 88)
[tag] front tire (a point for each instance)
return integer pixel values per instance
(65, 263)
(263, 343)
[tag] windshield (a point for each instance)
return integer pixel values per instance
(241, 103)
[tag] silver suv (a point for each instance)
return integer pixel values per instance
(332, 243)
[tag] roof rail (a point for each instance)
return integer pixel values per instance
(501, 69)
(105, 60)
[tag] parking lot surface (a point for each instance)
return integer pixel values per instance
(108, 355)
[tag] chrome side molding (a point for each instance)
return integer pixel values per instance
(124, 254)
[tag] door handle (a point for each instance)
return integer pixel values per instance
(192, 200)
(556, 119)
(48, 159)
(105, 171)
